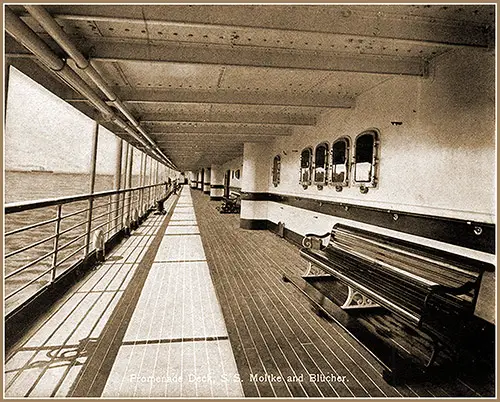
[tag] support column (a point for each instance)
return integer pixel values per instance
(193, 179)
(254, 186)
(200, 181)
(129, 180)
(206, 181)
(93, 169)
(150, 181)
(117, 182)
(141, 183)
(216, 182)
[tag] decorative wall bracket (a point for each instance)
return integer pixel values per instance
(357, 300)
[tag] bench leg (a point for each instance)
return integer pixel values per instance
(357, 300)
(308, 270)
(436, 348)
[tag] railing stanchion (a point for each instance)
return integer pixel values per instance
(56, 243)
(89, 227)
(93, 169)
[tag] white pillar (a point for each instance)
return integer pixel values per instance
(216, 182)
(193, 179)
(254, 186)
(206, 181)
(200, 181)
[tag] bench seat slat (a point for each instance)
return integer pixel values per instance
(367, 291)
(420, 266)
(409, 296)
(430, 288)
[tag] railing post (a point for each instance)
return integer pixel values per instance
(56, 243)
(129, 181)
(150, 181)
(110, 217)
(140, 205)
(124, 203)
(93, 167)
(117, 181)
(157, 166)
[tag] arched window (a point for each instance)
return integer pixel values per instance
(366, 159)
(340, 162)
(305, 167)
(320, 164)
(276, 170)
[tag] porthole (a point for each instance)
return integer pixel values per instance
(305, 167)
(365, 163)
(320, 165)
(340, 163)
(276, 170)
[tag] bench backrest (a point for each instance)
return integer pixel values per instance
(419, 263)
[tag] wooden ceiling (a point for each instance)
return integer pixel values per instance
(204, 79)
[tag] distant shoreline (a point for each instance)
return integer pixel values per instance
(51, 172)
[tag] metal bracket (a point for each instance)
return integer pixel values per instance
(357, 300)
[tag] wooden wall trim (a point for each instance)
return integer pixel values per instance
(458, 232)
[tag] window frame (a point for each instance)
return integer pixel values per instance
(348, 145)
(374, 175)
(276, 170)
(307, 183)
(321, 183)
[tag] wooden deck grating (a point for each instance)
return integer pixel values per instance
(48, 359)
(191, 294)
(146, 323)
(282, 347)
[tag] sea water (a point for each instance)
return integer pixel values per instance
(27, 186)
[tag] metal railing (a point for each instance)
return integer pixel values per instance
(44, 238)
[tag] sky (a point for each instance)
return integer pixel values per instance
(42, 130)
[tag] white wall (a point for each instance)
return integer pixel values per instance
(234, 164)
(440, 161)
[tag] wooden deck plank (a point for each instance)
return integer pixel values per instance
(247, 268)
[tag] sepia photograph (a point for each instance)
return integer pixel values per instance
(249, 200)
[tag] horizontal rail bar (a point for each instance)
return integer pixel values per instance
(30, 264)
(69, 256)
(94, 218)
(24, 228)
(100, 226)
(94, 207)
(29, 246)
(72, 227)
(72, 241)
(29, 205)
(28, 284)
(74, 213)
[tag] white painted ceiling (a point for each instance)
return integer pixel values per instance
(204, 79)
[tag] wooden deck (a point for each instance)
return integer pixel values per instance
(274, 332)
(192, 305)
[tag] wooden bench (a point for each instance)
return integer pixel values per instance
(231, 204)
(433, 290)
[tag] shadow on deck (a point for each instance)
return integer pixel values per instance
(282, 347)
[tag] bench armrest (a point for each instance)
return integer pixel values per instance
(442, 290)
(313, 241)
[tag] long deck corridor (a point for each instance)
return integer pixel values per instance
(192, 305)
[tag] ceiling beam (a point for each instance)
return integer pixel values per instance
(378, 21)
(216, 140)
(107, 51)
(226, 117)
(217, 128)
(228, 131)
(223, 96)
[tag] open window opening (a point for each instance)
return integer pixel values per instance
(366, 160)
(340, 163)
(320, 165)
(276, 170)
(305, 167)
